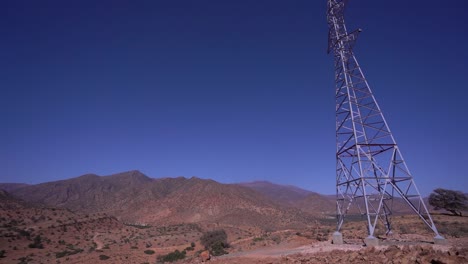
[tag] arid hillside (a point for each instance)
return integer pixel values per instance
(132, 197)
(292, 196)
(9, 187)
(136, 198)
(282, 194)
(30, 233)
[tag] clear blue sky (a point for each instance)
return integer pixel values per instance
(234, 91)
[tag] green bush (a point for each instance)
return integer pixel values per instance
(103, 257)
(215, 241)
(171, 257)
(218, 249)
(37, 243)
(62, 254)
(276, 239)
(24, 233)
(189, 249)
(68, 253)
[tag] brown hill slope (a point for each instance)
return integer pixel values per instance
(317, 204)
(134, 197)
(292, 196)
(314, 203)
(35, 234)
(88, 193)
(207, 201)
(283, 194)
(7, 201)
(9, 187)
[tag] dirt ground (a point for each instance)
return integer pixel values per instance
(65, 237)
(326, 252)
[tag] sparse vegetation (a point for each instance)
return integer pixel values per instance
(149, 252)
(24, 260)
(2, 253)
(139, 226)
(453, 229)
(404, 229)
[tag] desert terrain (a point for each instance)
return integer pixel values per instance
(131, 218)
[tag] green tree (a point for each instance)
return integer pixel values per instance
(452, 201)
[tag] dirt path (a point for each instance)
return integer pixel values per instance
(252, 237)
(99, 244)
(322, 247)
(285, 249)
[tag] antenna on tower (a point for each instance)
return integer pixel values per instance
(370, 169)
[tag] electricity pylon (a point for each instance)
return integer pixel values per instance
(370, 169)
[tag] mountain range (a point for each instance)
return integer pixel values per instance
(136, 198)
(133, 197)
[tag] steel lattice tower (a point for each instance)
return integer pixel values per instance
(370, 169)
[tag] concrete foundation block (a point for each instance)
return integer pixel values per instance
(440, 240)
(371, 241)
(337, 238)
